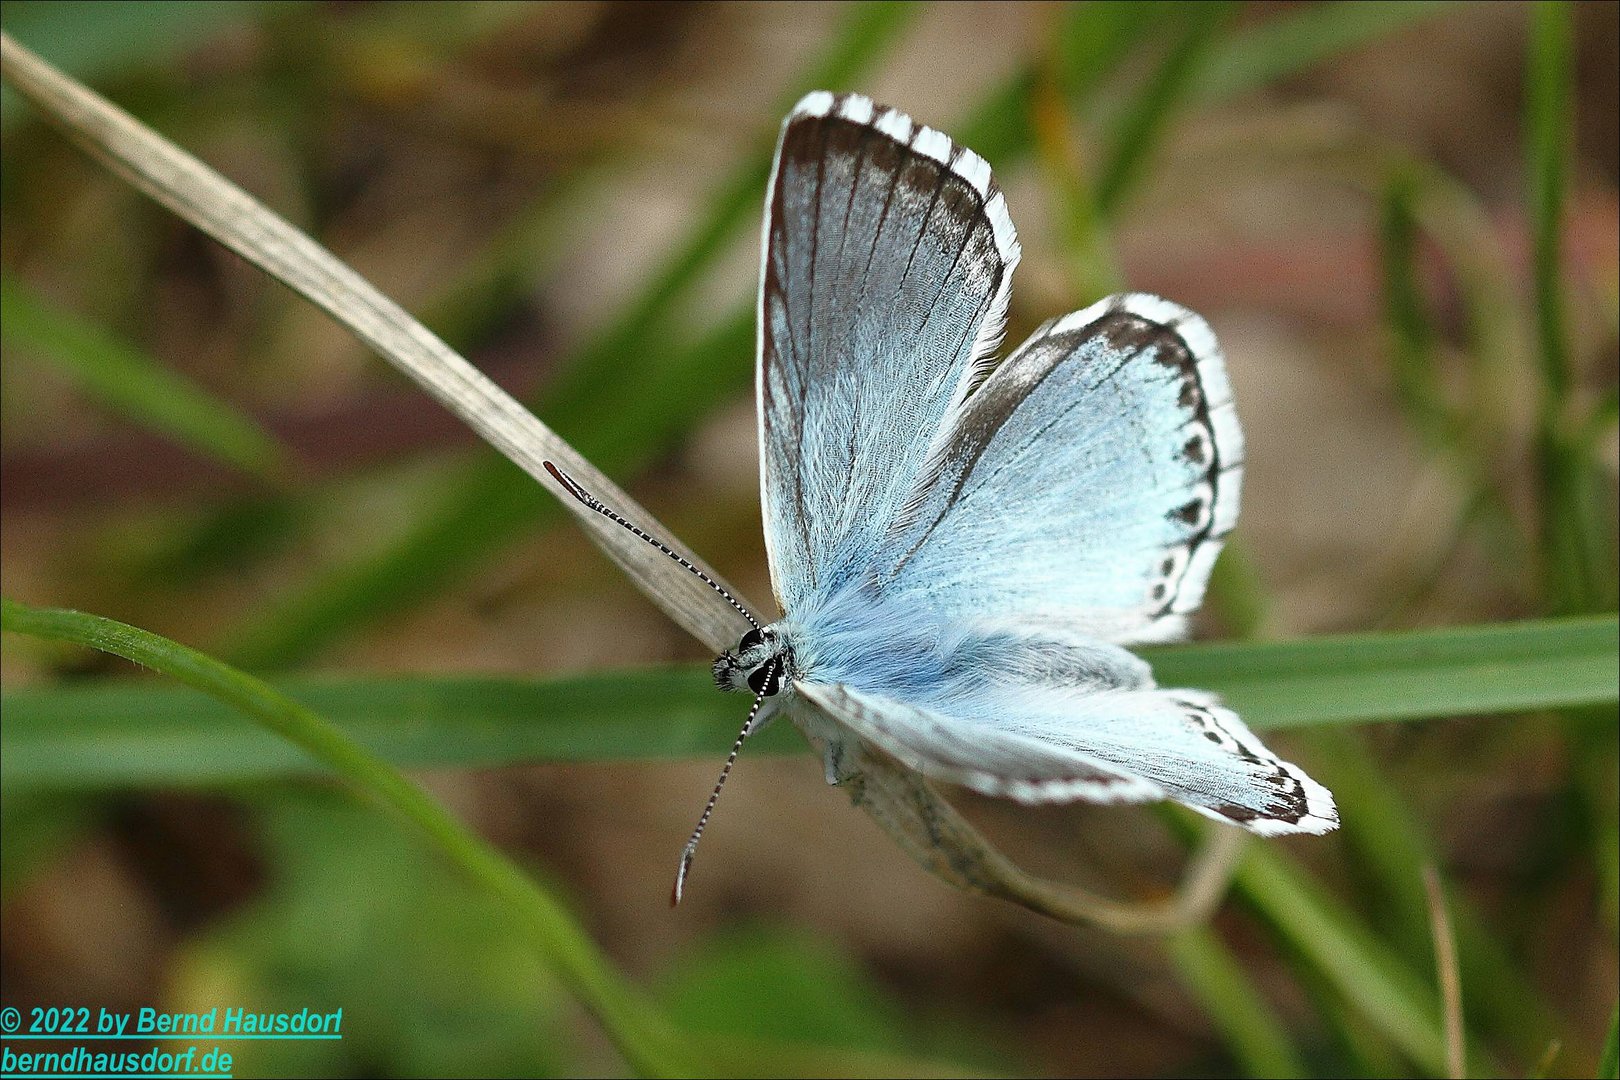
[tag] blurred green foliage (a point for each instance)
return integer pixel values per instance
(145, 392)
(434, 980)
(92, 41)
(473, 973)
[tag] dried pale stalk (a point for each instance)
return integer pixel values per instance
(900, 800)
(1445, 963)
(233, 217)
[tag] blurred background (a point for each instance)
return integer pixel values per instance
(569, 194)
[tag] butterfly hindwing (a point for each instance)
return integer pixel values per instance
(1088, 482)
(1119, 746)
(990, 761)
(888, 258)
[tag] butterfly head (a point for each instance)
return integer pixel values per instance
(760, 664)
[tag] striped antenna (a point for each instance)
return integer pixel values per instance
(714, 796)
(571, 486)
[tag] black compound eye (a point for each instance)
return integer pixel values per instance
(765, 680)
(750, 639)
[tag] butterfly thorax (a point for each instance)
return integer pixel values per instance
(762, 662)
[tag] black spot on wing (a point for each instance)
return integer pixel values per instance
(1128, 332)
(1286, 801)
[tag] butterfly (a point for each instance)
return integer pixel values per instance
(962, 546)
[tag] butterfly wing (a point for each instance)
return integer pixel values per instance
(931, 519)
(1119, 746)
(887, 263)
(990, 761)
(1088, 482)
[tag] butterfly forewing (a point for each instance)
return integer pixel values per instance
(887, 262)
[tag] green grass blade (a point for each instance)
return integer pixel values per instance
(1247, 1022)
(1392, 848)
(1146, 117)
(1576, 537)
(1467, 432)
(1289, 43)
(1383, 834)
(135, 733)
(1345, 954)
(1548, 129)
(1509, 667)
(1416, 345)
(1359, 965)
(635, 1028)
(1093, 40)
(1089, 46)
(1341, 951)
(87, 40)
(135, 386)
(1549, 112)
(90, 41)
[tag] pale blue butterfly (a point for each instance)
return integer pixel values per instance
(961, 546)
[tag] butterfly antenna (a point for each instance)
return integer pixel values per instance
(592, 502)
(714, 796)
